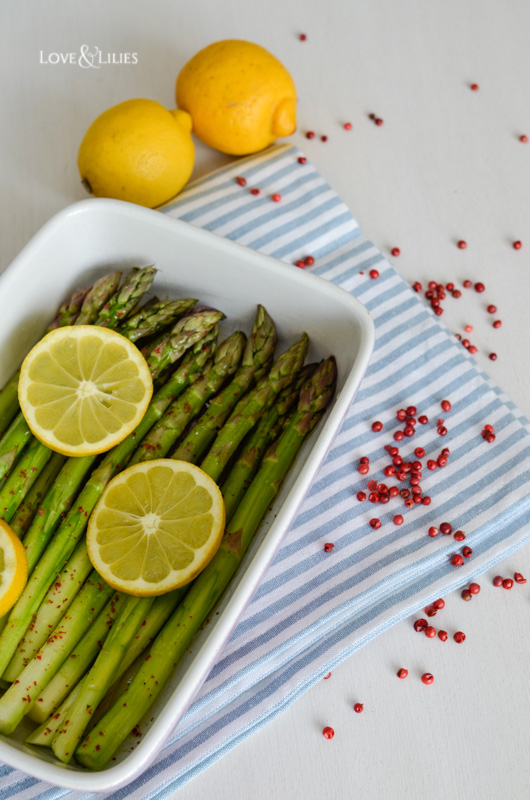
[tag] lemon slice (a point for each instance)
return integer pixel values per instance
(83, 389)
(155, 527)
(13, 568)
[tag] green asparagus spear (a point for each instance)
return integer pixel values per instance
(258, 440)
(9, 402)
(249, 409)
(70, 309)
(123, 302)
(97, 297)
(169, 646)
(183, 335)
(12, 443)
(74, 524)
(26, 471)
(20, 696)
(165, 433)
(254, 365)
(25, 513)
(154, 317)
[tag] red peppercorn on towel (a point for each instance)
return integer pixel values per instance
(315, 607)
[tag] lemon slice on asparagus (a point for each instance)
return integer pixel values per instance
(83, 389)
(155, 527)
(13, 568)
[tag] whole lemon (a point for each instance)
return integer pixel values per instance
(137, 151)
(240, 97)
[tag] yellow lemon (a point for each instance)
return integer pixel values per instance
(240, 97)
(13, 568)
(137, 151)
(83, 389)
(155, 527)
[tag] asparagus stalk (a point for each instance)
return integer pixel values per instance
(169, 646)
(183, 335)
(248, 410)
(25, 513)
(153, 317)
(254, 364)
(123, 302)
(73, 526)
(12, 443)
(258, 440)
(56, 603)
(21, 695)
(9, 402)
(21, 479)
(97, 297)
(70, 309)
(165, 433)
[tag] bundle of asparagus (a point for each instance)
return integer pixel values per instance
(70, 638)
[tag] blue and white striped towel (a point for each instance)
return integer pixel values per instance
(312, 611)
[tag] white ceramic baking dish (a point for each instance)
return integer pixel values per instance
(83, 242)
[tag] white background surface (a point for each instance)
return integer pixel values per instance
(447, 164)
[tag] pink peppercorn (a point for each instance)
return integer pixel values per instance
(241, 181)
(446, 405)
(395, 251)
(347, 126)
(519, 578)
(507, 583)
(302, 37)
(310, 135)
(467, 284)
(493, 356)
(523, 138)
(467, 552)
(497, 323)
(402, 673)
(474, 87)
(328, 547)
(430, 632)
(302, 160)
(377, 426)
(427, 678)
(457, 560)
(417, 286)
(446, 528)
(459, 637)
(423, 420)
(517, 245)
(466, 595)
(459, 536)
(398, 519)
(420, 625)
(442, 635)
(363, 469)
(309, 261)
(375, 523)
(254, 191)
(276, 197)
(361, 496)
(439, 604)
(474, 588)
(479, 287)
(358, 707)
(462, 244)
(374, 274)
(328, 733)
(498, 580)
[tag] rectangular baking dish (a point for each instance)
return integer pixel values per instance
(88, 239)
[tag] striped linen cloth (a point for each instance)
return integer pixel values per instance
(314, 609)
